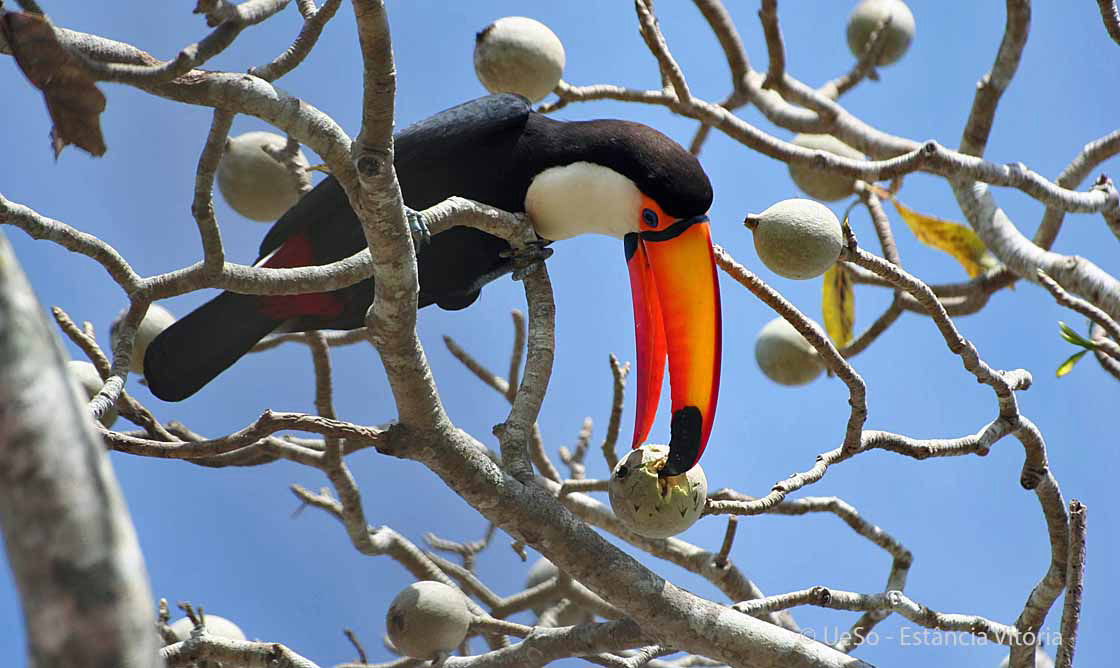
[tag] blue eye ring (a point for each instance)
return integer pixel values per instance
(649, 217)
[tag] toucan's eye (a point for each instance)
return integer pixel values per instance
(649, 217)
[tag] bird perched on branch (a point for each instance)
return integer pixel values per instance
(610, 177)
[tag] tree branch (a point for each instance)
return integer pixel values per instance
(70, 542)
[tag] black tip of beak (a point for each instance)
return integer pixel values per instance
(684, 444)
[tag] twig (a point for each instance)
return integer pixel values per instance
(357, 645)
(977, 444)
(514, 434)
(775, 45)
(1107, 362)
(516, 354)
(202, 206)
(992, 85)
(466, 551)
(268, 423)
(584, 486)
(1071, 610)
(868, 336)
(1004, 383)
(499, 384)
(1088, 310)
(574, 459)
(670, 70)
(1091, 155)
(879, 220)
(857, 388)
(313, 23)
(234, 652)
(619, 372)
(1110, 15)
(126, 404)
(865, 66)
(728, 538)
(723, 27)
(894, 601)
(492, 625)
(1052, 583)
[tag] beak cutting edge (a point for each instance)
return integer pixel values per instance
(676, 315)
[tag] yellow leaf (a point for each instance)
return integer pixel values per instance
(838, 304)
(1067, 366)
(953, 238)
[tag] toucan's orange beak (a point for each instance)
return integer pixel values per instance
(676, 314)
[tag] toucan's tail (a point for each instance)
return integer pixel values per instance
(191, 352)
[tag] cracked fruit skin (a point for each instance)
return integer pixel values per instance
(89, 382)
(784, 355)
(215, 626)
(155, 321)
(866, 17)
(516, 54)
(798, 238)
(252, 183)
(426, 618)
(653, 506)
(819, 183)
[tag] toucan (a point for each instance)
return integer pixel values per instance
(611, 177)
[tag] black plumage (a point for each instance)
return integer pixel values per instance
(487, 150)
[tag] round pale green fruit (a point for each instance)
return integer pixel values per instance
(215, 626)
(516, 54)
(543, 570)
(797, 238)
(427, 618)
(89, 382)
(867, 16)
(820, 183)
(784, 355)
(155, 321)
(653, 506)
(252, 182)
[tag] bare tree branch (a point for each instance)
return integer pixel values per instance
(1071, 610)
(68, 536)
(1110, 15)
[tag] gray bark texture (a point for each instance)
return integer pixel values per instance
(68, 536)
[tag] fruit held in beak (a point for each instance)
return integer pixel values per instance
(797, 238)
(653, 506)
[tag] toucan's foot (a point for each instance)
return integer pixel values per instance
(528, 258)
(421, 235)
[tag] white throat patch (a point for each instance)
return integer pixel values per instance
(582, 198)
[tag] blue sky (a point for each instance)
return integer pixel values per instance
(229, 539)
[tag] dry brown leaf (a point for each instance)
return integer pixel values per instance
(73, 101)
